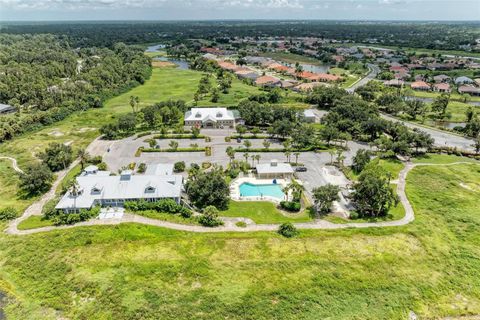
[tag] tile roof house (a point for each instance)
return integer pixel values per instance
(96, 187)
(420, 85)
(210, 118)
(441, 78)
(442, 87)
(305, 87)
(304, 74)
(267, 81)
(394, 83)
(474, 91)
(324, 77)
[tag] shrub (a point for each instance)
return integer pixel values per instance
(142, 167)
(95, 160)
(206, 165)
(228, 139)
(288, 230)
(8, 213)
(164, 205)
(293, 206)
(59, 217)
(241, 224)
(209, 218)
(354, 215)
(179, 166)
(102, 166)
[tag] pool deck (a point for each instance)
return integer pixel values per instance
(235, 189)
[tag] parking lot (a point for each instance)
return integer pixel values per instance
(122, 152)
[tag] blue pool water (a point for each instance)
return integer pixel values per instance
(258, 190)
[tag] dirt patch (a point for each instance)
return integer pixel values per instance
(162, 64)
(86, 129)
(68, 143)
(56, 133)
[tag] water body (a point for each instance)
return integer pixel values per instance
(315, 69)
(155, 48)
(181, 64)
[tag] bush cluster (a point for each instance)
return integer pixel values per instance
(164, 205)
(59, 218)
(293, 206)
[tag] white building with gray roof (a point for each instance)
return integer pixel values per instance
(210, 118)
(95, 187)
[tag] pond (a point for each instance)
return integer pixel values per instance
(155, 48)
(450, 125)
(181, 64)
(312, 68)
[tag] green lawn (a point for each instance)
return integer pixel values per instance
(167, 217)
(442, 159)
(34, 222)
(132, 271)
(263, 212)
(454, 96)
(8, 188)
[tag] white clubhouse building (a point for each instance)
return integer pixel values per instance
(96, 187)
(210, 118)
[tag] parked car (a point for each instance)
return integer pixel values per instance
(301, 169)
(239, 140)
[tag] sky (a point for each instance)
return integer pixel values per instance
(17, 10)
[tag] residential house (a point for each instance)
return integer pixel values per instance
(463, 80)
(394, 83)
(323, 77)
(247, 74)
(442, 87)
(441, 78)
(309, 86)
(210, 118)
(267, 81)
(420, 85)
(95, 187)
(471, 90)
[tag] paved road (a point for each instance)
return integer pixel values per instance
(230, 225)
(374, 71)
(442, 138)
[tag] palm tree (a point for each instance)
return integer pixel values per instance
(287, 154)
(253, 160)
(332, 153)
(231, 153)
(75, 192)
(257, 157)
(83, 156)
(247, 144)
(296, 154)
(173, 145)
(266, 144)
(340, 157)
(246, 156)
(134, 100)
(297, 189)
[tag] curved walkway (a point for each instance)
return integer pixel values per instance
(230, 223)
(14, 163)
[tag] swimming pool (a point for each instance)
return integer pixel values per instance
(257, 190)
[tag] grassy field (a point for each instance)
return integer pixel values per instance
(140, 272)
(453, 96)
(263, 212)
(34, 222)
